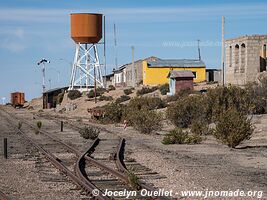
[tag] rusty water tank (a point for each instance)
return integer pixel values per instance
(86, 28)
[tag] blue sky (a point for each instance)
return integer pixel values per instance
(33, 29)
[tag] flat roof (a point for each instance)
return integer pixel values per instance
(181, 74)
(177, 63)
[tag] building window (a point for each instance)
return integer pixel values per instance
(230, 56)
(195, 74)
(263, 59)
(236, 58)
(243, 58)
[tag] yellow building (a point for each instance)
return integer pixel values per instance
(156, 72)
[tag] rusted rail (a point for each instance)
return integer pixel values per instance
(79, 176)
(122, 172)
(85, 185)
(56, 162)
(81, 173)
(70, 148)
(122, 167)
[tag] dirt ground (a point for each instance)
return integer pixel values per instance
(206, 166)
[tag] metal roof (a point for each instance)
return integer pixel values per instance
(125, 65)
(56, 89)
(181, 74)
(176, 63)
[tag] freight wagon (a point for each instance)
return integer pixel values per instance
(17, 99)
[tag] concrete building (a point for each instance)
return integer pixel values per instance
(156, 72)
(213, 75)
(245, 59)
(180, 80)
(138, 67)
(120, 76)
(50, 97)
(109, 79)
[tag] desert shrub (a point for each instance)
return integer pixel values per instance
(200, 127)
(149, 103)
(89, 132)
(233, 127)
(146, 90)
(133, 180)
(113, 112)
(172, 98)
(98, 91)
(246, 100)
(145, 121)
(257, 95)
(105, 98)
(91, 94)
(128, 91)
(19, 125)
(122, 99)
(111, 87)
(164, 89)
(74, 94)
(178, 136)
(186, 110)
(181, 94)
(60, 97)
(39, 124)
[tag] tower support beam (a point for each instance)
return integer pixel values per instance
(86, 63)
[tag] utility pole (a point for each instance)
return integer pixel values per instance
(133, 70)
(115, 46)
(43, 61)
(105, 61)
(223, 50)
(198, 47)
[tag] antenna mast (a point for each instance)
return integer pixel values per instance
(115, 46)
(198, 47)
(223, 49)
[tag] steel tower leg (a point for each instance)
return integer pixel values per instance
(86, 61)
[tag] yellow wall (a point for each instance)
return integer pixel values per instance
(158, 75)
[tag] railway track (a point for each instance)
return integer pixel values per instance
(64, 165)
(93, 170)
(118, 158)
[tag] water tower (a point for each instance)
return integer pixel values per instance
(86, 31)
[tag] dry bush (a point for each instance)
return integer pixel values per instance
(186, 110)
(111, 87)
(105, 98)
(146, 90)
(178, 136)
(200, 127)
(113, 112)
(89, 132)
(133, 180)
(128, 91)
(246, 100)
(181, 94)
(233, 127)
(164, 89)
(98, 91)
(74, 94)
(122, 99)
(145, 121)
(149, 103)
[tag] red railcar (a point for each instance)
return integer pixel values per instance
(17, 99)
